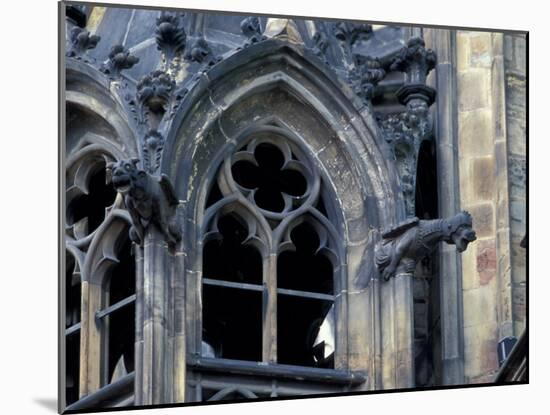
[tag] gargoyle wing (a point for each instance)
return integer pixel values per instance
(400, 228)
(168, 190)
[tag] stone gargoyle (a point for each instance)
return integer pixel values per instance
(404, 245)
(149, 199)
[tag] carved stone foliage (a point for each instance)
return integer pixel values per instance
(152, 150)
(119, 59)
(153, 93)
(201, 52)
(404, 132)
(350, 33)
(80, 41)
(170, 35)
(404, 245)
(364, 72)
(320, 45)
(148, 199)
(365, 75)
(252, 30)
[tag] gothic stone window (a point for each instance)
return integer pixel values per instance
(100, 280)
(270, 261)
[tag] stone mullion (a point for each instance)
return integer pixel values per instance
(179, 352)
(452, 336)
(341, 354)
(403, 308)
(269, 309)
(138, 344)
(83, 374)
(90, 338)
(502, 212)
(156, 319)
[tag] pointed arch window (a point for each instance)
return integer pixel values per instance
(271, 257)
(99, 281)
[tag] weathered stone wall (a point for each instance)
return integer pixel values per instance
(515, 72)
(488, 111)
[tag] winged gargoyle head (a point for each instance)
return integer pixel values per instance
(458, 231)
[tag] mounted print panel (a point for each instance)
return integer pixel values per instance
(260, 207)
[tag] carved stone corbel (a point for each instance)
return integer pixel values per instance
(404, 245)
(149, 200)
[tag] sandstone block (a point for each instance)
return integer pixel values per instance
(474, 89)
(484, 178)
(483, 219)
(475, 132)
(486, 261)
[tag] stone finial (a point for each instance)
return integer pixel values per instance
(119, 59)
(404, 245)
(170, 35)
(415, 60)
(80, 42)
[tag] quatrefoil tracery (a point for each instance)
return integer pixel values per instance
(268, 173)
(271, 186)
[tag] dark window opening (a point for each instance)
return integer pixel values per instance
(72, 353)
(232, 325)
(427, 329)
(228, 259)
(101, 195)
(426, 182)
(298, 342)
(213, 195)
(121, 281)
(72, 293)
(119, 324)
(269, 178)
(121, 342)
(304, 269)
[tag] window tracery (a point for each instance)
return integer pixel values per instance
(270, 256)
(100, 280)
